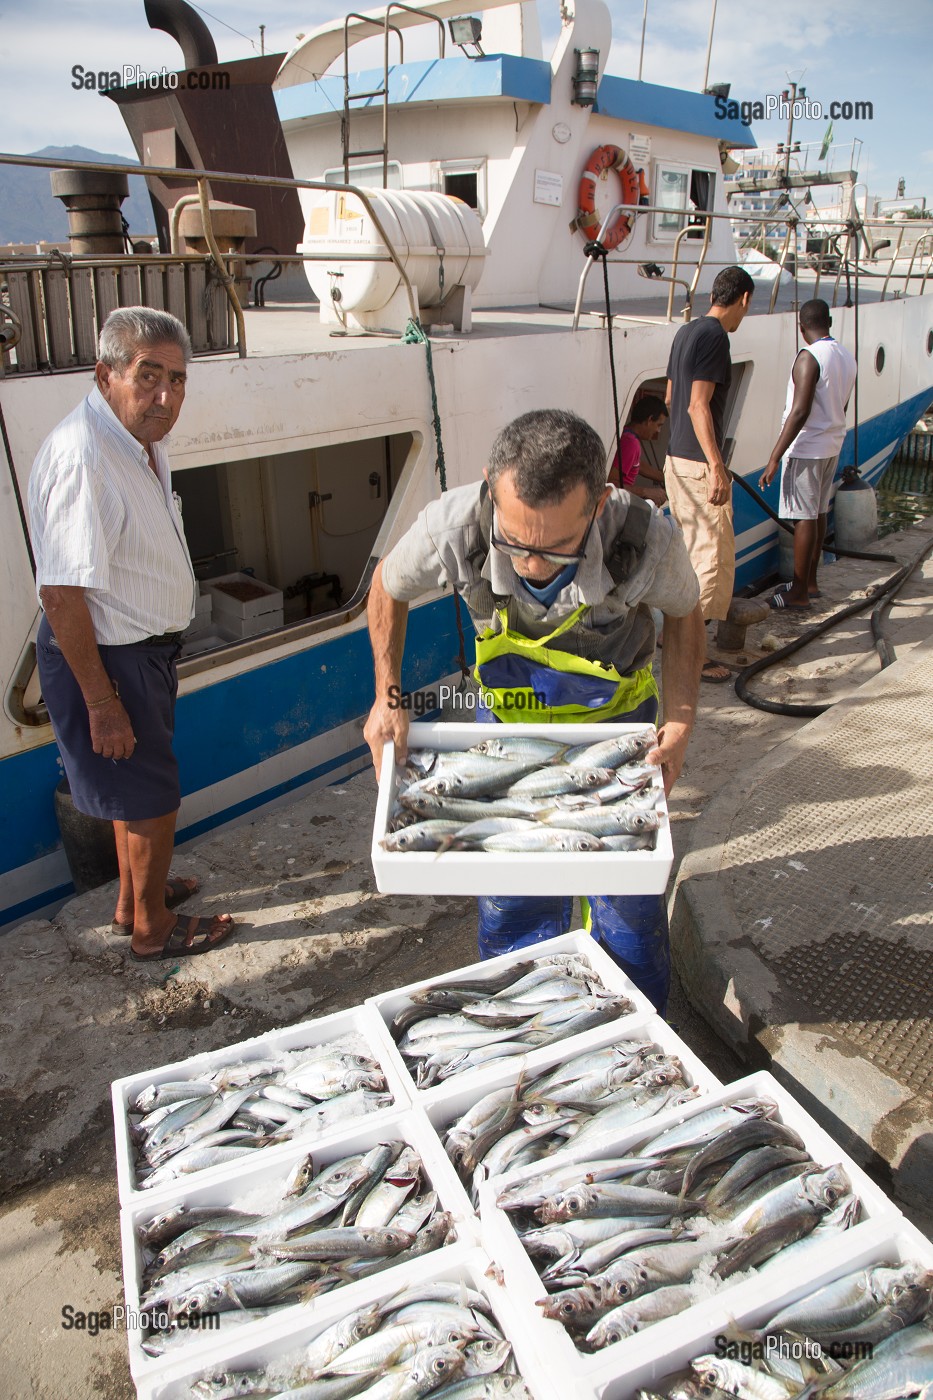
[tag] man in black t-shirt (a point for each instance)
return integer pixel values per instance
(697, 481)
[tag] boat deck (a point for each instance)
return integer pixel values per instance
(294, 327)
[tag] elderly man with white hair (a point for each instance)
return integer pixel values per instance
(117, 588)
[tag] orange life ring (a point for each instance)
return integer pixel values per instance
(634, 187)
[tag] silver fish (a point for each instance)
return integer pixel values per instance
(422, 836)
(549, 838)
(617, 751)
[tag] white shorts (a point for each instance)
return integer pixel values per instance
(806, 486)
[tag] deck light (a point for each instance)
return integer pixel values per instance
(467, 30)
(586, 78)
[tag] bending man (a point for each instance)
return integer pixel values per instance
(559, 572)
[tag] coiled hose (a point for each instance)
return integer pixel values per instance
(880, 599)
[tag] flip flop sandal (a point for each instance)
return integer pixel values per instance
(786, 588)
(709, 667)
(180, 942)
(178, 892)
(778, 603)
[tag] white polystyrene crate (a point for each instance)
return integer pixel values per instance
(267, 599)
(458, 1265)
(447, 1102)
(245, 1185)
(388, 1004)
(510, 872)
(360, 1020)
(525, 1286)
(760, 1301)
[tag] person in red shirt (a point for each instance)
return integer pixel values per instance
(628, 470)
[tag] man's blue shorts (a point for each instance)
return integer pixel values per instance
(126, 789)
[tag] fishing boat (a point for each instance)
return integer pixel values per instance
(445, 206)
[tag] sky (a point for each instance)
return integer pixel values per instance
(840, 50)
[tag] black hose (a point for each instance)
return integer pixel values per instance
(881, 596)
(784, 525)
(597, 252)
(883, 644)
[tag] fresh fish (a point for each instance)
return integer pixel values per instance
(851, 1299)
(558, 779)
(613, 1198)
(604, 821)
(734, 1378)
(542, 750)
(549, 838)
(901, 1366)
(474, 775)
(741, 1137)
(817, 1191)
(158, 1096)
(421, 836)
(638, 1313)
(751, 1167)
(614, 752)
(701, 1127)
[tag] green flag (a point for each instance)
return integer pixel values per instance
(827, 142)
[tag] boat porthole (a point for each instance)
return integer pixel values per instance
(930, 342)
(879, 359)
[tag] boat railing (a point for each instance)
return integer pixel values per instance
(55, 303)
(687, 273)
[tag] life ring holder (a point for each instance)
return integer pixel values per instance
(634, 191)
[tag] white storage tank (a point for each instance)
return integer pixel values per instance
(438, 240)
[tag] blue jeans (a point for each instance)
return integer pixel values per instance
(633, 929)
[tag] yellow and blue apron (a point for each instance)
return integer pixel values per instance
(526, 680)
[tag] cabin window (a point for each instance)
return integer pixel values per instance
(462, 179)
(462, 186)
(368, 176)
(680, 191)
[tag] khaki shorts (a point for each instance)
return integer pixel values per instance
(708, 533)
(806, 486)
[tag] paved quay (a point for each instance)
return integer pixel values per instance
(317, 937)
(803, 919)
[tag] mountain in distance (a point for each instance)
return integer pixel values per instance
(30, 213)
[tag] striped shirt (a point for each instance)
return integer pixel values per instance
(102, 520)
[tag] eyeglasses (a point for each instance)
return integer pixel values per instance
(552, 556)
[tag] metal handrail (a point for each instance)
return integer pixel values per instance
(920, 241)
(792, 220)
(789, 232)
(884, 289)
(685, 233)
(171, 172)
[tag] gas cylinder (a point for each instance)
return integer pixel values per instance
(855, 512)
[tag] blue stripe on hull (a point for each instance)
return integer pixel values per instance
(236, 725)
(887, 430)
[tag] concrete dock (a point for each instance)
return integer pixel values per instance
(787, 963)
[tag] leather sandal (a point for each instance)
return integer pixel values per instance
(180, 942)
(176, 892)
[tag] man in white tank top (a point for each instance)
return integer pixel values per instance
(812, 432)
